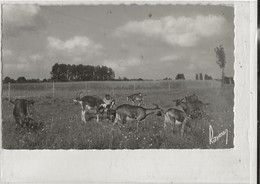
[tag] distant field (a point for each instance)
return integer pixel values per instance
(63, 128)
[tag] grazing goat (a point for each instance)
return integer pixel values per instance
(89, 103)
(139, 97)
(176, 117)
(21, 112)
(192, 109)
(108, 102)
(93, 103)
(135, 112)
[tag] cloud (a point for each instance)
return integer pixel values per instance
(19, 15)
(121, 65)
(169, 58)
(76, 46)
(32, 66)
(182, 31)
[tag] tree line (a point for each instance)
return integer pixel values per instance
(67, 72)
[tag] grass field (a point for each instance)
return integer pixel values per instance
(63, 129)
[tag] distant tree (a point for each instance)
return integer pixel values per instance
(221, 61)
(167, 78)
(180, 76)
(33, 80)
(197, 76)
(8, 79)
(44, 80)
(201, 76)
(207, 77)
(21, 80)
(64, 72)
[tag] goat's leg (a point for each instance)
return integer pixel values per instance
(97, 118)
(183, 126)
(116, 119)
(83, 116)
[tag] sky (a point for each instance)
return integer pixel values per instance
(136, 41)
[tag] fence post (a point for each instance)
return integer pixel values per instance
(9, 91)
(86, 86)
(113, 91)
(169, 85)
(134, 86)
(53, 89)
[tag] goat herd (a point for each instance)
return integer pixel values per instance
(190, 108)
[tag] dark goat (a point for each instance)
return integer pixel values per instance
(192, 109)
(139, 97)
(135, 112)
(21, 112)
(176, 117)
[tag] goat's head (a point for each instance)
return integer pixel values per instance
(113, 103)
(78, 97)
(108, 97)
(178, 101)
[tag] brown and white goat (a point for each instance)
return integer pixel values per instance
(93, 103)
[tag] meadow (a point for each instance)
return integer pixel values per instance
(62, 128)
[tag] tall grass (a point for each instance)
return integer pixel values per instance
(62, 127)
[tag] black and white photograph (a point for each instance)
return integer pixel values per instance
(118, 77)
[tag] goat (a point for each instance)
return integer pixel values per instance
(21, 112)
(176, 117)
(107, 105)
(108, 102)
(139, 97)
(135, 112)
(111, 114)
(191, 108)
(191, 98)
(93, 103)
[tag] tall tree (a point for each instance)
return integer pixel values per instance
(201, 76)
(21, 80)
(221, 61)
